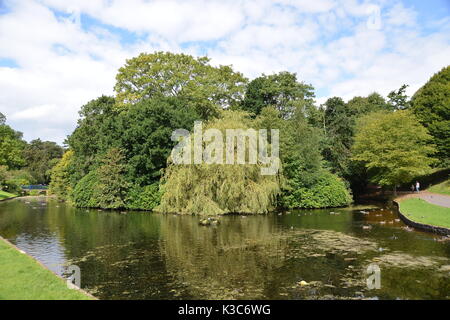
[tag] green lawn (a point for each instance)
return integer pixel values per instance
(4, 195)
(22, 278)
(442, 188)
(421, 211)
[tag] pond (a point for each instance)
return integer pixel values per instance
(141, 255)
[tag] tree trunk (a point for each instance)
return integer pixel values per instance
(395, 191)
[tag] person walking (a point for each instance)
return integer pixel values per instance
(413, 188)
(417, 186)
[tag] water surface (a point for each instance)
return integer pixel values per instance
(137, 255)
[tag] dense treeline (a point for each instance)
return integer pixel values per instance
(119, 154)
(23, 163)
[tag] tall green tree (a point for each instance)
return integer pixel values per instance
(339, 129)
(61, 177)
(95, 134)
(145, 135)
(40, 157)
(166, 74)
(211, 189)
(282, 91)
(11, 146)
(431, 105)
(394, 147)
(398, 99)
(339, 125)
(112, 187)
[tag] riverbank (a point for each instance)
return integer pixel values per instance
(24, 278)
(6, 195)
(426, 211)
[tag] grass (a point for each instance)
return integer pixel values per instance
(442, 188)
(421, 211)
(22, 278)
(5, 195)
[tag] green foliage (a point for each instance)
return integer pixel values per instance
(323, 190)
(85, 192)
(398, 99)
(340, 123)
(305, 183)
(15, 179)
(200, 85)
(143, 198)
(40, 157)
(394, 147)
(11, 147)
(112, 186)
(211, 189)
(95, 133)
(61, 184)
(281, 91)
(339, 127)
(145, 135)
(431, 105)
(3, 175)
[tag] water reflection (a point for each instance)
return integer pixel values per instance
(151, 256)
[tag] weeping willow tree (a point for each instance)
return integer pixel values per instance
(219, 188)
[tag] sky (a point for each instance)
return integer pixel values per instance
(57, 55)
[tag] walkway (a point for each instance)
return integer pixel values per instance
(434, 198)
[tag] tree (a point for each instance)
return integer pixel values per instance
(40, 157)
(145, 135)
(166, 74)
(2, 119)
(339, 130)
(394, 147)
(398, 99)
(11, 147)
(111, 190)
(211, 189)
(61, 183)
(305, 183)
(431, 105)
(95, 134)
(339, 124)
(281, 91)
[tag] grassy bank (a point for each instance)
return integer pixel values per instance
(22, 278)
(5, 195)
(421, 211)
(442, 188)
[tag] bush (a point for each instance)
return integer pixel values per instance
(15, 179)
(327, 191)
(85, 192)
(143, 198)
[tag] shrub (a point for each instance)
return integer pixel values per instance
(85, 192)
(143, 198)
(327, 191)
(15, 179)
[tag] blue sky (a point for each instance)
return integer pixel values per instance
(57, 55)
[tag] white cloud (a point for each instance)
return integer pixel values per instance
(63, 65)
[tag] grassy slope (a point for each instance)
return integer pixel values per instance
(22, 278)
(4, 195)
(423, 212)
(442, 188)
